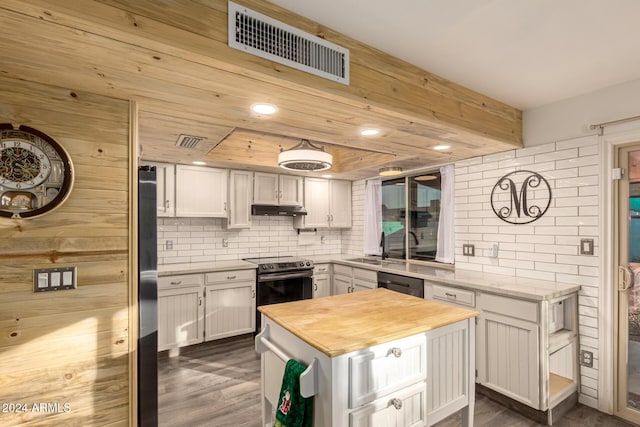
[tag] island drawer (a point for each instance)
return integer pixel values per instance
(231, 276)
(180, 281)
(454, 295)
(386, 368)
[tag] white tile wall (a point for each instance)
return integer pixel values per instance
(548, 248)
(200, 239)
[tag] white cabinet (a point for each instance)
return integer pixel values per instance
(240, 197)
(165, 188)
(350, 279)
(272, 189)
(201, 192)
(180, 311)
(527, 350)
(327, 202)
(321, 280)
(230, 307)
(364, 279)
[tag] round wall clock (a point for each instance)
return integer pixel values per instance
(36, 173)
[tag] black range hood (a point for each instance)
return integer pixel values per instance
(271, 210)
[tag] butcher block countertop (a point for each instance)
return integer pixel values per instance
(344, 323)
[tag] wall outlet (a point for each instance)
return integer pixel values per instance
(493, 250)
(225, 243)
(468, 250)
(168, 244)
(586, 358)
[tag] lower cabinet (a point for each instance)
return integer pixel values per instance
(194, 308)
(321, 280)
(180, 311)
(230, 307)
(349, 279)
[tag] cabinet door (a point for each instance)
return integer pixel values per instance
(341, 285)
(290, 192)
(340, 204)
(404, 408)
(321, 286)
(165, 188)
(316, 202)
(180, 317)
(508, 357)
(201, 192)
(230, 310)
(265, 188)
(240, 196)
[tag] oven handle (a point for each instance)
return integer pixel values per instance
(270, 277)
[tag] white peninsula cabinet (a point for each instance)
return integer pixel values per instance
(327, 202)
(279, 190)
(201, 192)
(527, 350)
(410, 368)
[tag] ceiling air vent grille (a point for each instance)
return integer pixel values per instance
(188, 141)
(262, 36)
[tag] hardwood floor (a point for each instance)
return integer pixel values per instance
(217, 384)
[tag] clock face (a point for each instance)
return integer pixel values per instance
(36, 173)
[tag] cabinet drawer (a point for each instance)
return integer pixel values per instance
(405, 407)
(231, 276)
(386, 368)
(454, 295)
(321, 269)
(520, 309)
(366, 275)
(181, 281)
(342, 269)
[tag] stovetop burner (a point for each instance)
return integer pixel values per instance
(277, 264)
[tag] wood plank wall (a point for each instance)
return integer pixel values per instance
(69, 347)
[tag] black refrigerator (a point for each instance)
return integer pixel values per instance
(147, 298)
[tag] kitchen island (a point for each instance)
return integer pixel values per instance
(375, 358)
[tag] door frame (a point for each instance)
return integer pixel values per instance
(613, 137)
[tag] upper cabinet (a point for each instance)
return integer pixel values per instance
(280, 190)
(201, 192)
(165, 188)
(327, 202)
(240, 197)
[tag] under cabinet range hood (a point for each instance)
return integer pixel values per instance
(272, 210)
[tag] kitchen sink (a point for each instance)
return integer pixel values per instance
(372, 261)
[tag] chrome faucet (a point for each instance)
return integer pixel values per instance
(384, 254)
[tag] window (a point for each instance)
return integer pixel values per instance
(422, 195)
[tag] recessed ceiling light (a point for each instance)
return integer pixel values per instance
(441, 147)
(390, 171)
(369, 132)
(264, 108)
(199, 163)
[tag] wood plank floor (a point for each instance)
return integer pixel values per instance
(217, 384)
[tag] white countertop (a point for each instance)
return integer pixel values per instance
(203, 267)
(520, 287)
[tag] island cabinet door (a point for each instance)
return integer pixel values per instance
(405, 408)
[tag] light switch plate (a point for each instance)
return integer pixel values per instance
(54, 279)
(468, 249)
(586, 246)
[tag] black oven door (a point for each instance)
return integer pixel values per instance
(274, 288)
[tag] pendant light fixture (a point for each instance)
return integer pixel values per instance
(305, 157)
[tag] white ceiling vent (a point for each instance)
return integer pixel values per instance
(262, 36)
(188, 141)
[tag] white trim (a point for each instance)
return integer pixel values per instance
(615, 135)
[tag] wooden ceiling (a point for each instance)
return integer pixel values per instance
(172, 58)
